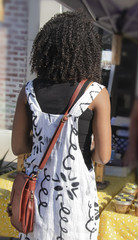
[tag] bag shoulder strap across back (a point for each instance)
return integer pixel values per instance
(60, 126)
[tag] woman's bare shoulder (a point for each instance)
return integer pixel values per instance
(22, 98)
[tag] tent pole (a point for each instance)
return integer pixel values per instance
(116, 49)
(108, 14)
(136, 85)
(111, 77)
(1, 10)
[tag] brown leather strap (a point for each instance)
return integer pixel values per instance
(60, 126)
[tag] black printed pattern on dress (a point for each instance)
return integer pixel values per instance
(26, 238)
(20, 238)
(30, 94)
(71, 147)
(82, 105)
(34, 116)
(91, 224)
(63, 212)
(70, 188)
(29, 165)
(32, 91)
(67, 182)
(43, 192)
(38, 141)
(26, 86)
(34, 120)
(37, 136)
(99, 86)
(96, 210)
(34, 170)
(49, 116)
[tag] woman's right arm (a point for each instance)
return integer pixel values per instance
(21, 139)
(101, 128)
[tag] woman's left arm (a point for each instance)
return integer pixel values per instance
(21, 139)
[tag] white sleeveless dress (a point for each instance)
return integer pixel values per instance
(66, 204)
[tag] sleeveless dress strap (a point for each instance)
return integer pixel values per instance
(31, 97)
(84, 101)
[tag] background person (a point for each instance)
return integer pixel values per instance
(131, 156)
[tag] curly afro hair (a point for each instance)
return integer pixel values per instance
(68, 47)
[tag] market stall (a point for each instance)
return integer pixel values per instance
(107, 211)
(118, 226)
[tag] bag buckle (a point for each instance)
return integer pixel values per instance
(32, 196)
(64, 119)
(34, 175)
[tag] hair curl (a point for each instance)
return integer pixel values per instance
(68, 47)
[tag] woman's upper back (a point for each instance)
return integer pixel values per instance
(99, 102)
(54, 97)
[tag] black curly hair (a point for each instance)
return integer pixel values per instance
(68, 47)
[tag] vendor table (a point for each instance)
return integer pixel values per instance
(105, 197)
(114, 186)
(118, 226)
(6, 229)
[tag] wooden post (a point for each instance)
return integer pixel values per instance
(99, 171)
(116, 49)
(1, 10)
(20, 161)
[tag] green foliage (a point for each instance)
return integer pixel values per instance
(10, 166)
